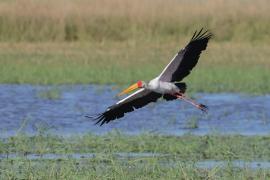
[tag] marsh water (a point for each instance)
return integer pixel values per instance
(61, 110)
(203, 164)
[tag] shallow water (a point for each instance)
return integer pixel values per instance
(23, 110)
(204, 164)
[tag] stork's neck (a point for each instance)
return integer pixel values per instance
(146, 86)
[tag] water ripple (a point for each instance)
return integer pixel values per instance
(22, 109)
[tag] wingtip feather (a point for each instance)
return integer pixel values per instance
(193, 35)
(201, 35)
(99, 118)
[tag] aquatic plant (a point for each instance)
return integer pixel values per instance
(214, 146)
(192, 122)
(179, 156)
(50, 93)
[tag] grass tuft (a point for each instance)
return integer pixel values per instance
(180, 155)
(192, 123)
(51, 94)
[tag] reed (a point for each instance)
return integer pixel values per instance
(121, 20)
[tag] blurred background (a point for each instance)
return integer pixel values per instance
(74, 42)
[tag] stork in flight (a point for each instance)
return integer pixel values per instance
(166, 85)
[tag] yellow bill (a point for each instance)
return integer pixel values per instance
(130, 88)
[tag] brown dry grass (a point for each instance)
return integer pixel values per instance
(110, 40)
(48, 20)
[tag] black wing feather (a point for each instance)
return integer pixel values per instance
(134, 101)
(186, 58)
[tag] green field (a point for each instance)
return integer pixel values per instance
(110, 168)
(90, 42)
(187, 147)
(224, 67)
(178, 156)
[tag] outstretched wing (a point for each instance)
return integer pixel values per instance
(134, 101)
(183, 62)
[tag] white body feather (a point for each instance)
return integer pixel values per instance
(162, 87)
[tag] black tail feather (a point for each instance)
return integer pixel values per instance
(182, 86)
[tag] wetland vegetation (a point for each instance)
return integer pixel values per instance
(119, 42)
(90, 42)
(175, 156)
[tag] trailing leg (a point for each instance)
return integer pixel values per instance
(202, 107)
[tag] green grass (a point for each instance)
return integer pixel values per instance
(187, 147)
(182, 153)
(68, 42)
(192, 123)
(224, 67)
(111, 168)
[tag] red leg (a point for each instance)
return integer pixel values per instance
(202, 107)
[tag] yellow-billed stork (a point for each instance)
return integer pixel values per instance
(166, 85)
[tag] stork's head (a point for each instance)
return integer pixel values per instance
(139, 84)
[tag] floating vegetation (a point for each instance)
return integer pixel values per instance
(192, 122)
(52, 93)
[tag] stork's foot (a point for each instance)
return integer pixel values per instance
(202, 107)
